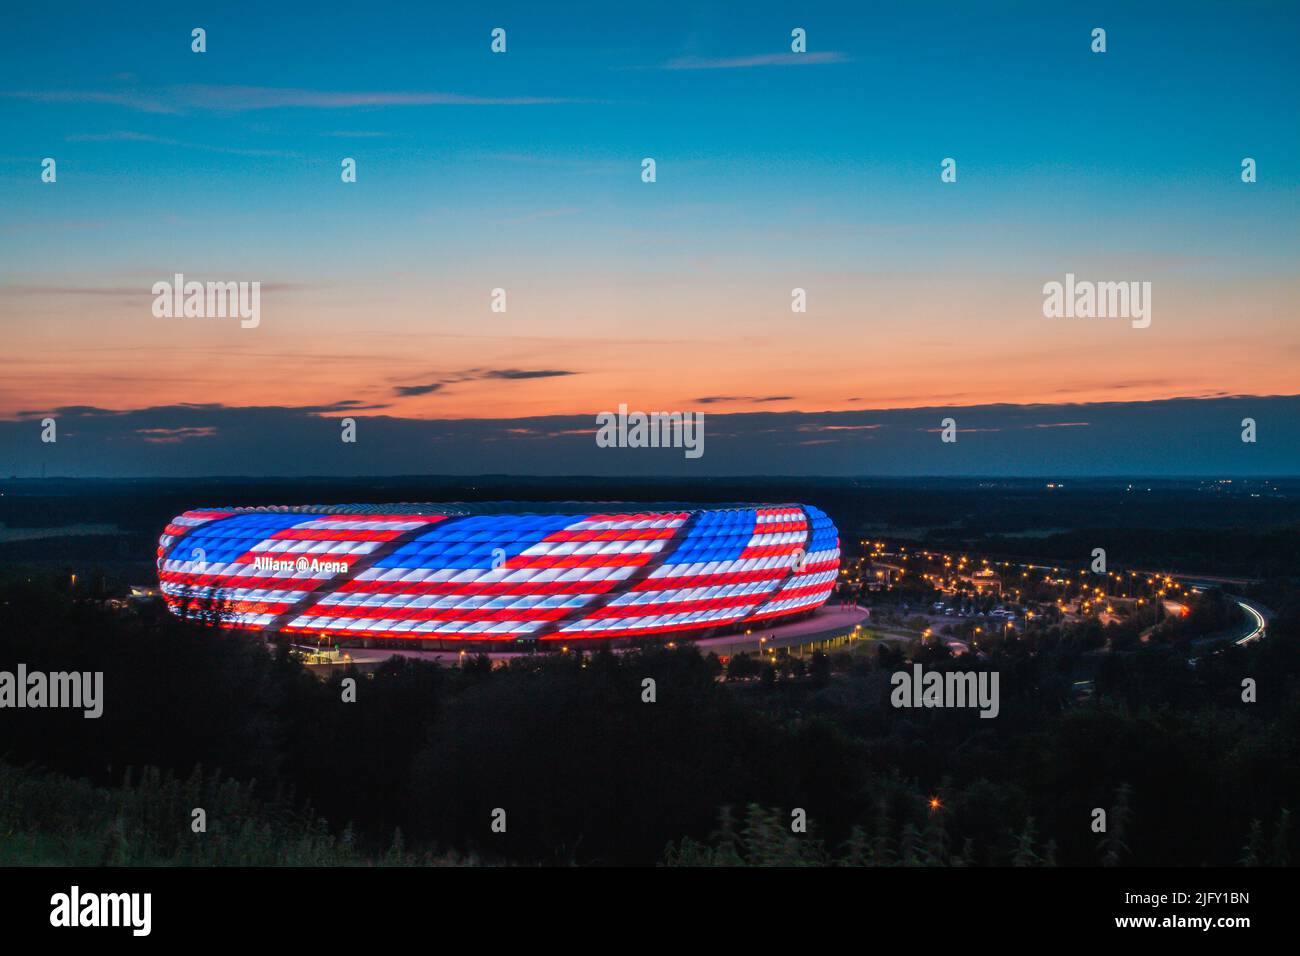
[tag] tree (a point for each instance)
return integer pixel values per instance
(741, 667)
(820, 669)
(1113, 847)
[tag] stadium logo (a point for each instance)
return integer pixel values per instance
(304, 563)
(651, 430)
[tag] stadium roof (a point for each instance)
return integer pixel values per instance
(451, 508)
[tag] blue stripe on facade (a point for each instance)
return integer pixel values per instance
(469, 543)
(716, 536)
(224, 540)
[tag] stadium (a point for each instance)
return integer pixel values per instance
(476, 574)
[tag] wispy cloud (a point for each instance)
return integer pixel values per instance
(757, 399)
(409, 390)
(130, 136)
(131, 99)
(144, 289)
(755, 60)
(120, 136)
(265, 97)
(539, 215)
(837, 428)
(180, 416)
(518, 373)
(560, 162)
(1116, 386)
(29, 225)
(356, 134)
(179, 99)
(478, 375)
(219, 439)
(174, 436)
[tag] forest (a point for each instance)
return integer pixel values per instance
(587, 772)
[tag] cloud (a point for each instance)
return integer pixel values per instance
(756, 399)
(820, 427)
(558, 162)
(72, 290)
(407, 390)
(517, 373)
(265, 97)
(129, 136)
(144, 289)
(1142, 383)
(187, 410)
(129, 99)
(174, 436)
(478, 375)
(78, 411)
(50, 225)
(350, 405)
(235, 99)
(121, 136)
(758, 59)
(214, 439)
(539, 215)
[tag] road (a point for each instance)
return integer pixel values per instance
(1258, 621)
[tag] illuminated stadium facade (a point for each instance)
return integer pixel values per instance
(449, 573)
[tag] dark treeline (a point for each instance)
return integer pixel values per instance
(588, 772)
(1247, 552)
(1245, 528)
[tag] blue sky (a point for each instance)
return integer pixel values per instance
(1044, 130)
(522, 170)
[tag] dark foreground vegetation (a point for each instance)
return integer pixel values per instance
(587, 772)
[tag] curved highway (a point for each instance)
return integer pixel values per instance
(1257, 619)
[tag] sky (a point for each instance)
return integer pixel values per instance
(523, 171)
